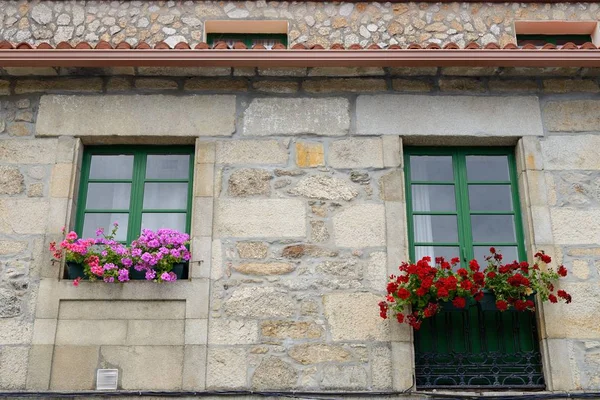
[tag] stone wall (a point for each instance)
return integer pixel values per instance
(298, 218)
(309, 22)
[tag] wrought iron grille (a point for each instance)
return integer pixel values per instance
(478, 348)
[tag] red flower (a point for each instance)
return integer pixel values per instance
(491, 275)
(455, 261)
(474, 265)
(392, 287)
(524, 266)
(501, 305)
(564, 295)
(459, 302)
(462, 272)
(431, 310)
(504, 269)
(552, 298)
(451, 283)
(403, 293)
(479, 296)
(426, 284)
(498, 256)
(492, 250)
(466, 284)
(530, 304)
(421, 292)
(400, 317)
(445, 265)
(442, 292)
(520, 305)
(383, 308)
(562, 271)
(479, 278)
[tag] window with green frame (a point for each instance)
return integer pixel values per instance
(136, 186)
(558, 40)
(462, 201)
(249, 39)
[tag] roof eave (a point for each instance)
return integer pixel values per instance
(299, 58)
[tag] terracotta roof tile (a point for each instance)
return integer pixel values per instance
(221, 45)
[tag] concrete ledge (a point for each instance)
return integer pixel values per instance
(448, 115)
(152, 115)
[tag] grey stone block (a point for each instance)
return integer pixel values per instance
(419, 115)
(153, 115)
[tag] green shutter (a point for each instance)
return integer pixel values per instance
(476, 347)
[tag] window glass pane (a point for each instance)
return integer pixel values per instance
(493, 228)
(490, 198)
(93, 221)
(435, 228)
(165, 196)
(487, 168)
(433, 198)
(156, 221)
(171, 166)
(108, 196)
(436, 251)
(431, 168)
(111, 167)
(509, 253)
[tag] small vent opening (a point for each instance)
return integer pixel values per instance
(106, 379)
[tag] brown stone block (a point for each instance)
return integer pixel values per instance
(217, 85)
(309, 154)
(344, 85)
(411, 85)
(461, 85)
(59, 85)
(276, 86)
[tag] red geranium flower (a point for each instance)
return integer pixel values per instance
(403, 293)
(474, 265)
(552, 298)
(562, 271)
(491, 275)
(501, 305)
(421, 292)
(462, 272)
(400, 317)
(392, 287)
(459, 302)
(442, 292)
(479, 278)
(479, 296)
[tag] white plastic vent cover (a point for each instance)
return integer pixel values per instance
(106, 379)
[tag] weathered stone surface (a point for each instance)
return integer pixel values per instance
(308, 250)
(297, 116)
(23, 215)
(414, 71)
(13, 367)
(360, 225)
(121, 309)
(226, 368)
(273, 374)
(4, 88)
(341, 310)
(309, 154)
(391, 186)
(352, 85)
(570, 85)
(381, 367)
(11, 180)
(258, 152)
(87, 85)
(260, 218)
(19, 129)
(276, 86)
(324, 187)
(461, 85)
(291, 330)
(232, 331)
(356, 153)
(152, 115)
(133, 361)
(572, 116)
(255, 250)
(346, 71)
(572, 152)
(572, 188)
(74, 367)
(344, 377)
(376, 271)
(319, 232)
(24, 151)
(282, 71)
(347, 267)
(217, 85)
(412, 85)
(575, 226)
(10, 306)
(513, 86)
(155, 84)
(318, 353)
(249, 182)
(265, 268)
(411, 115)
(11, 247)
(259, 302)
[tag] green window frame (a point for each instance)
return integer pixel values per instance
(246, 38)
(465, 241)
(137, 185)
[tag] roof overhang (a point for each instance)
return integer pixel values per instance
(299, 58)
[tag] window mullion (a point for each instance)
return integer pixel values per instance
(462, 206)
(188, 217)
(512, 170)
(137, 195)
(409, 207)
(83, 189)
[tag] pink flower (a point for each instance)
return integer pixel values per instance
(71, 236)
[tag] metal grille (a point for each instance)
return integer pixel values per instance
(478, 348)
